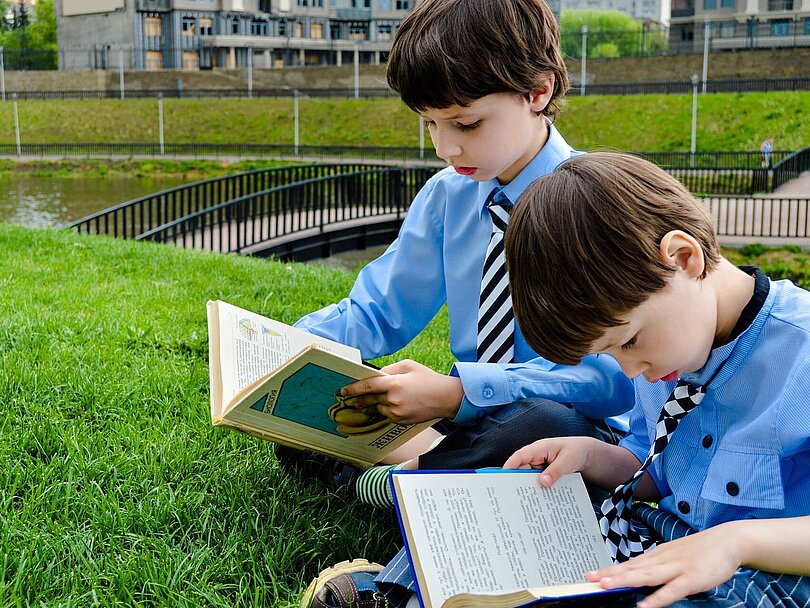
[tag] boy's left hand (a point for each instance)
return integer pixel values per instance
(681, 567)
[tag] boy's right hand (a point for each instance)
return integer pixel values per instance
(409, 393)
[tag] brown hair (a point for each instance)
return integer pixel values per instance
(453, 52)
(582, 248)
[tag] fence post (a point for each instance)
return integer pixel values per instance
(17, 126)
(160, 122)
(707, 33)
(295, 122)
(2, 74)
(694, 120)
(584, 71)
(121, 71)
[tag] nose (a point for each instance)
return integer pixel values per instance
(445, 143)
(632, 368)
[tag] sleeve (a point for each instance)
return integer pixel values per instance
(596, 387)
(396, 295)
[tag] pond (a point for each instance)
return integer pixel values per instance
(53, 202)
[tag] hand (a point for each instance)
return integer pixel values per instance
(682, 567)
(410, 393)
(558, 457)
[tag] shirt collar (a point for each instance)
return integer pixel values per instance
(555, 151)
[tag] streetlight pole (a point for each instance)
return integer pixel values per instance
(694, 118)
(356, 71)
(160, 122)
(295, 121)
(250, 71)
(2, 74)
(584, 72)
(707, 33)
(421, 137)
(121, 71)
(17, 126)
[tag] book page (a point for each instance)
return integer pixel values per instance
(252, 345)
(497, 532)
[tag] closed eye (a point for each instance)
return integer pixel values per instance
(630, 343)
(469, 127)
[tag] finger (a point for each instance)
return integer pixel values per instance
(365, 401)
(525, 457)
(668, 594)
(367, 386)
(400, 367)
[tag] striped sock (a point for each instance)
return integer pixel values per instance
(372, 486)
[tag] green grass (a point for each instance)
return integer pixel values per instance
(116, 489)
(726, 121)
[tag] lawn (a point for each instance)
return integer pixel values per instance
(117, 491)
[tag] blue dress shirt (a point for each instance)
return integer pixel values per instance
(744, 452)
(438, 257)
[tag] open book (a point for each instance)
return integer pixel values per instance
(281, 383)
(497, 538)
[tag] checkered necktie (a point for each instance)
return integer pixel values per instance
(622, 540)
(496, 321)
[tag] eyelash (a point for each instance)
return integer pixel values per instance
(469, 127)
(629, 344)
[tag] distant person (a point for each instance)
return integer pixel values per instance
(486, 76)
(765, 153)
(727, 459)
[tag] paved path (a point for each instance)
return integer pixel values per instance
(799, 187)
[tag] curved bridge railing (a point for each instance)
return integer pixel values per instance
(791, 167)
(135, 217)
(310, 218)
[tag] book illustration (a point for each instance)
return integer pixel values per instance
(249, 331)
(297, 399)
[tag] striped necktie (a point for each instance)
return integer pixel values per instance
(622, 540)
(496, 321)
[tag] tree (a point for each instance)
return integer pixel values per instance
(610, 34)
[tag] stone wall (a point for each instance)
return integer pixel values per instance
(778, 63)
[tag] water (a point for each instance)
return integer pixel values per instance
(53, 202)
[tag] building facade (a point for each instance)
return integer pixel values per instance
(738, 24)
(204, 34)
(655, 11)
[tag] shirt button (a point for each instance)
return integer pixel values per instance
(488, 392)
(707, 441)
(684, 507)
(732, 488)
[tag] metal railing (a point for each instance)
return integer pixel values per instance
(132, 218)
(760, 217)
(254, 222)
(790, 167)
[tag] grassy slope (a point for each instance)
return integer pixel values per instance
(637, 123)
(116, 489)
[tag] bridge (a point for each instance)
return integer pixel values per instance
(304, 212)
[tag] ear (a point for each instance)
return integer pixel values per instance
(682, 251)
(540, 97)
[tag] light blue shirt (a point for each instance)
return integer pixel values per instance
(744, 452)
(438, 257)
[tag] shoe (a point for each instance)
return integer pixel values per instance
(311, 465)
(349, 584)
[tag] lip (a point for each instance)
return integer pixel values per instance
(468, 171)
(668, 378)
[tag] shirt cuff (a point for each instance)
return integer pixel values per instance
(482, 393)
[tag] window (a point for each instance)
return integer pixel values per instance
(235, 26)
(206, 26)
(316, 30)
(317, 3)
(358, 31)
(191, 60)
(299, 30)
(384, 32)
(780, 5)
(384, 5)
(302, 3)
(189, 26)
(780, 27)
(154, 60)
(403, 5)
(282, 28)
(258, 28)
(807, 26)
(726, 3)
(151, 26)
(709, 4)
(726, 29)
(264, 6)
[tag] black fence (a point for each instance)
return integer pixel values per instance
(760, 218)
(133, 218)
(671, 87)
(278, 220)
